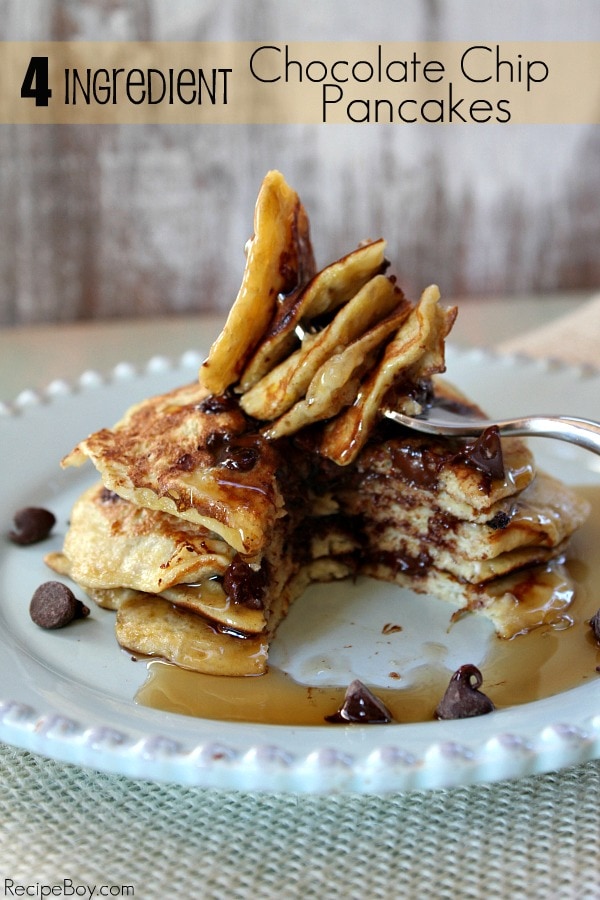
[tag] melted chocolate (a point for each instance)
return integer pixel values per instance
(241, 459)
(499, 521)
(403, 562)
(418, 465)
(186, 462)
(420, 392)
(485, 454)
(218, 404)
(239, 452)
(245, 585)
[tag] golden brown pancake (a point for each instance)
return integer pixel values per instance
(301, 310)
(279, 260)
(415, 353)
(191, 455)
(115, 543)
(221, 501)
(289, 381)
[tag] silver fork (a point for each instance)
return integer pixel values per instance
(582, 432)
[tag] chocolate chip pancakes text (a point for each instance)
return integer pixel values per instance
(221, 501)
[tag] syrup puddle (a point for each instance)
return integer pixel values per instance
(544, 662)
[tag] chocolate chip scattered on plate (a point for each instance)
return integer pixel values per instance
(463, 698)
(54, 605)
(595, 625)
(31, 525)
(361, 706)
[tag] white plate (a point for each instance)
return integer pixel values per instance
(70, 694)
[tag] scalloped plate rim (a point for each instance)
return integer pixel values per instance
(519, 741)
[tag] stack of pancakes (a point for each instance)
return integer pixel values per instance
(221, 501)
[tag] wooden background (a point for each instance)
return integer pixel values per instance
(101, 222)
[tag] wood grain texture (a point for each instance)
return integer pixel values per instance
(149, 220)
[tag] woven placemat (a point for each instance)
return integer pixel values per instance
(572, 338)
(75, 829)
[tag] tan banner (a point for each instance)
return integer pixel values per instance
(299, 83)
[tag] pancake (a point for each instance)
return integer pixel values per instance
(191, 455)
(279, 261)
(329, 289)
(289, 381)
(151, 626)
(219, 502)
(413, 355)
(114, 543)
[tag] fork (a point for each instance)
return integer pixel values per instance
(582, 432)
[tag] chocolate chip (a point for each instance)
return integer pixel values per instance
(241, 459)
(54, 605)
(243, 584)
(499, 521)
(595, 625)
(216, 440)
(361, 706)
(463, 698)
(108, 496)
(217, 404)
(186, 462)
(485, 454)
(237, 452)
(31, 525)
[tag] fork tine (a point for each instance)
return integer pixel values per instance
(581, 432)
